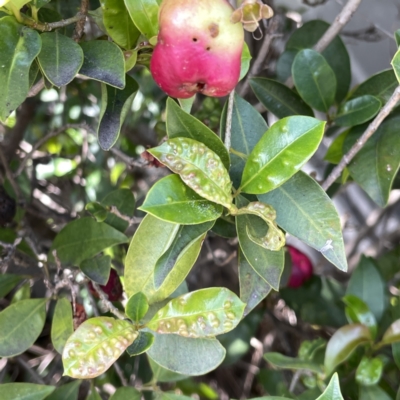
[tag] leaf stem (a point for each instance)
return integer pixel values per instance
(49, 26)
(228, 128)
(107, 303)
(373, 126)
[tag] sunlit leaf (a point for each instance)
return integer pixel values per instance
(144, 14)
(332, 392)
(25, 391)
(369, 371)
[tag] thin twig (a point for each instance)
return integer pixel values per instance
(36, 88)
(120, 374)
(228, 127)
(107, 303)
(373, 126)
(80, 25)
(340, 21)
(131, 220)
(35, 376)
(44, 139)
(129, 161)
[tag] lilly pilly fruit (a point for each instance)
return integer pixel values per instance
(113, 287)
(198, 50)
(302, 269)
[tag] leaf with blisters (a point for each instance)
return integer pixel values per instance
(20, 325)
(126, 393)
(198, 166)
(396, 64)
(60, 58)
(19, 46)
(380, 85)
(314, 79)
(119, 24)
(252, 289)
(97, 269)
(248, 126)
(280, 153)
(137, 307)
(143, 343)
(358, 311)
(115, 104)
(62, 326)
(84, 238)
(95, 346)
(343, 342)
(278, 98)
(305, 211)
(181, 124)
(202, 313)
(267, 264)
(173, 201)
(274, 239)
(187, 356)
(281, 361)
(144, 14)
(376, 165)
(369, 371)
(332, 392)
(185, 236)
(25, 391)
(104, 62)
(69, 391)
(358, 110)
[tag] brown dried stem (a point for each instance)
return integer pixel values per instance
(107, 303)
(80, 25)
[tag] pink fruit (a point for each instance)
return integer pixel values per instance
(302, 269)
(198, 50)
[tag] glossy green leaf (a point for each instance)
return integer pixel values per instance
(369, 371)
(373, 393)
(144, 14)
(24, 391)
(281, 361)
(23, 293)
(185, 236)
(8, 283)
(84, 238)
(62, 326)
(171, 200)
(181, 124)
(358, 311)
(186, 356)
(157, 235)
(198, 166)
(69, 391)
(161, 374)
(97, 269)
(60, 58)
(252, 289)
(332, 392)
(343, 342)
(314, 79)
(396, 65)
(284, 65)
(143, 342)
(335, 54)
(358, 110)
(95, 346)
(118, 23)
(245, 61)
(278, 98)
(335, 151)
(274, 239)
(367, 284)
(375, 166)
(392, 334)
(20, 325)
(115, 104)
(104, 62)
(19, 46)
(280, 153)
(312, 218)
(125, 202)
(268, 265)
(137, 307)
(380, 85)
(126, 393)
(202, 313)
(247, 128)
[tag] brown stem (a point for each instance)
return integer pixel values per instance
(107, 303)
(80, 26)
(373, 126)
(49, 26)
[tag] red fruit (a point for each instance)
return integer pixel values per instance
(113, 287)
(302, 269)
(199, 48)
